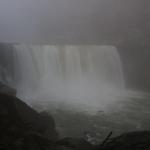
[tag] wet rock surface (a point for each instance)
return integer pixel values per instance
(129, 141)
(23, 128)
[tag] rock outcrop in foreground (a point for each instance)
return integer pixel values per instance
(129, 141)
(22, 128)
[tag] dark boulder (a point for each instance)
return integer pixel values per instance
(48, 126)
(21, 126)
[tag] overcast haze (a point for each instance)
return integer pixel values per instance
(121, 23)
(68, 21)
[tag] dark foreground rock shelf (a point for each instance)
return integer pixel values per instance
(22, 128)
(139, 140)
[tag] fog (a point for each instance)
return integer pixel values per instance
(65, 21)
(86, 76)
(101, 87)
(80, 75)
(123, 25)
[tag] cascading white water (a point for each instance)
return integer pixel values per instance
(77, 74)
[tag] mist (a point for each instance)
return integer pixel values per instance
(75, 69)
(72, 22)
(85, 76)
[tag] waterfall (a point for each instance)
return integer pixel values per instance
(78, 74)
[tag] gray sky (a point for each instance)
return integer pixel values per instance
(66, 21)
